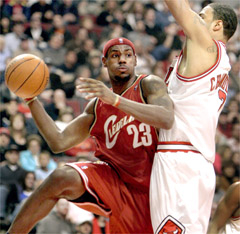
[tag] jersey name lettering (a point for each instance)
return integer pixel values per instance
(220, 81)
(113, 131)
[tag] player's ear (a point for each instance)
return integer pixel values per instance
(218, 25)
(104, 59)
(135, 60)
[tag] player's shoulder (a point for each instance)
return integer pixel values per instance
(152, 83)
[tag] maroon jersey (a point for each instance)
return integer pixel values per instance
(125, 143)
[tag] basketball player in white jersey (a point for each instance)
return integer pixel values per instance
(183, 178)
(226, 219)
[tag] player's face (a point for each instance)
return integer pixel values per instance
(207, 16)
(120, 62)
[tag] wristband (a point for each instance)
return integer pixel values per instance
(117, 101)
(29, 100)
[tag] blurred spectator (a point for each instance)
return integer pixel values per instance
(152, 28)
(5, 25)
(42, 172)
(88, 23)
(29, 159)
(4, 55)
(27, 47)
(84, 227)
(119, 15)
(59, 27)
(86, 7)
(13, 39)
(11, 174)
(105, 16)
(36, 32)
(54, 78)
(59, 103)
(5, 141)
(145, 61)
(95, 63)
(17, 10)
(83, 54)
(229, 174)
(67, 72)
(56, 221)
(170, 41)
(66, 115)
(46, 10)
(83, 71)
(225, 152)
(100, 225)
(233, 111)
(68, 10)
(164, 16)
(148, 41)
(224, 126)
(113, 30)
(134, 12)
(117, 30)
(55, 50)
(77, 42)
(18, 130)
(234, 140)
(9, 109)
(234, 75)
(28, 185)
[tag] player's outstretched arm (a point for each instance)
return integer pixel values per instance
(191, 23)
(59, 141)
(226, 208)
(158, 112)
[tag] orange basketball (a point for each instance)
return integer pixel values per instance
(26, 75)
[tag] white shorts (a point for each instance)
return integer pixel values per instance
(181, 192)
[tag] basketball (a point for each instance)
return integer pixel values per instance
(26, 75)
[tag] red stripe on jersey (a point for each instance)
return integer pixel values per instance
(174, 143)
(176, 150)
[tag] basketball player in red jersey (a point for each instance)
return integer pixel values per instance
(124, 123)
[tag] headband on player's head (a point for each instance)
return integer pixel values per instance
(117, 41)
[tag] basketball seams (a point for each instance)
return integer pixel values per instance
(15, 68)
(43, 80)
(27, 78)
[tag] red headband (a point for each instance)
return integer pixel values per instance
(117, 41)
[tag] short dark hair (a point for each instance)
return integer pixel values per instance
(228, 16)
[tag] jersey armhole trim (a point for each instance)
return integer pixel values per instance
(204, 74)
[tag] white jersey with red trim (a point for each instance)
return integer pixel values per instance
(232, 226)
(198, 102)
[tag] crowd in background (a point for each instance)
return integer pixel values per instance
(69, 36)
